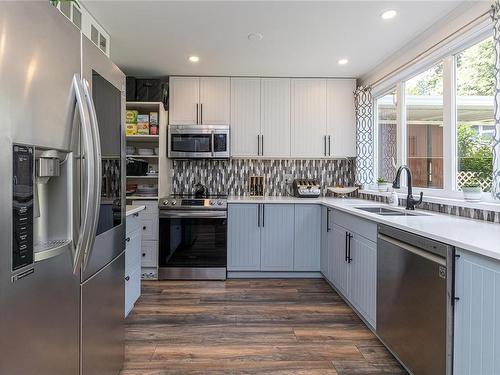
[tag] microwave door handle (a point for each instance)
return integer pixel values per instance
(87, 160)
(96, 200)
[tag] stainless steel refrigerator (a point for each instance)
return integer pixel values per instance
(62, 224)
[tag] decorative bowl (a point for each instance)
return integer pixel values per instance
(342, 191)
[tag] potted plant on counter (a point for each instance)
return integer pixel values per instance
(383, 185)
(472, 190)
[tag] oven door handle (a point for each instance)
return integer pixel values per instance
(193, 214)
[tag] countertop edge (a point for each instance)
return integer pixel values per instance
(133, 209)
(345, 205)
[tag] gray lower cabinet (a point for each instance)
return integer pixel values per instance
(352, 261)
(477, 315)
(243, 237)
(307, 234)
(274, 237)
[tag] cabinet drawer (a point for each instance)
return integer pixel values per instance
(355, 224)
(149, 253)
(132, 289)
(151, 207)
(149, 228)
(133, 250)
(133, 222)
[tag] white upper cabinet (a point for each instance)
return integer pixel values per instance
(245, 116)
(214, 100)
(341, 119)
(199, 100)
(184, 100)
(275, 117)
(308, 118)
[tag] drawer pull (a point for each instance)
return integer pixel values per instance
(127, 239)
(136, 214)
(143, 254)
(127, 278)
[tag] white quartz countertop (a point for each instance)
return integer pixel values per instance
(477, 236)
(133, 209)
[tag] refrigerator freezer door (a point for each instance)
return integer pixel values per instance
(103, 298)
(107, 85)
(39, 56)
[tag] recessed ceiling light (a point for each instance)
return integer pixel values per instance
(388, 14)
(255, 36)
(343, 61)
(194, 58)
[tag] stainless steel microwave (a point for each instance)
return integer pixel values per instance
(198, 142)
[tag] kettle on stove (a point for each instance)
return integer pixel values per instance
(200, 190)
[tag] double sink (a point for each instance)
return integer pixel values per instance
(383, 211)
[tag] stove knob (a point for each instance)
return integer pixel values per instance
(212, 203)
(165, 202)
(219, 203)
(174, 203)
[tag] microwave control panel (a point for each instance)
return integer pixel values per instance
(22, 206)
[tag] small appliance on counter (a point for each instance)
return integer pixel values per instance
(306, 188)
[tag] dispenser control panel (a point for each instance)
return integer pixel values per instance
(22, 206)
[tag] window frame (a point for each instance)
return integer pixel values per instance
(450, 155)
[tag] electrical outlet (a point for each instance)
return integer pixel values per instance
(288, 178)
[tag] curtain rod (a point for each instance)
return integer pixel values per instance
(423, 53)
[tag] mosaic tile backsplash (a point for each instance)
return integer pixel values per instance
(231, 176)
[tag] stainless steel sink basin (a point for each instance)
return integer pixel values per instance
(389, 212)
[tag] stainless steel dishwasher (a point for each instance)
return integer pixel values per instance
(415, 298)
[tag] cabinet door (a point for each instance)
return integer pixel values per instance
(245, 116)
(362, 284)
(477, 315)
(339, 267)
(307, 234)
(214, 100)
(275, 117)
(308, 118)
(277, 237)
(324, 241)
(341, 119)
(184, 99)
(243, 235)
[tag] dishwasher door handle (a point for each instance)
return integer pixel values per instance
(414, 250)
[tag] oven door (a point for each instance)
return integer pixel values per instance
(193, 244)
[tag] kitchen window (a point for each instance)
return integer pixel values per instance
(424, 121)
(443, 125)
(475, 89)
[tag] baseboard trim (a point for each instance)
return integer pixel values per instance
(273, 275)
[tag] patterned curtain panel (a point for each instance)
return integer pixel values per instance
(364, 135)
(496, 138)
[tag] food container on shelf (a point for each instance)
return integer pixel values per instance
(136, 167)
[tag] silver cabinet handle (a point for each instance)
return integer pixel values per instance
(262, 145)
(201, 113)
(88, 166)
(197, 122)
(263, 216)
(97, 171)
(324, 145)
(329, 146)
(258, 215)
(328, 229)
(258, 145)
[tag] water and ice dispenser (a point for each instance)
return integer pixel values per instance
(42, 204)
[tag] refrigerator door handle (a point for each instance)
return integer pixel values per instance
(97, 173)
(88, 160)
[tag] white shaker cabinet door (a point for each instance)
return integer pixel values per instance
(184, 100)
(214, 100)
(245, 116)
(341, 119)
(308, 138)
(275, 117)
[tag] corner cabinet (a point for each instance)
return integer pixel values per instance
(477, 315)
(199, 100)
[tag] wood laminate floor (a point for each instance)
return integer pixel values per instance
(278, 327)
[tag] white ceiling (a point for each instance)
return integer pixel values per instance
(306, 38)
